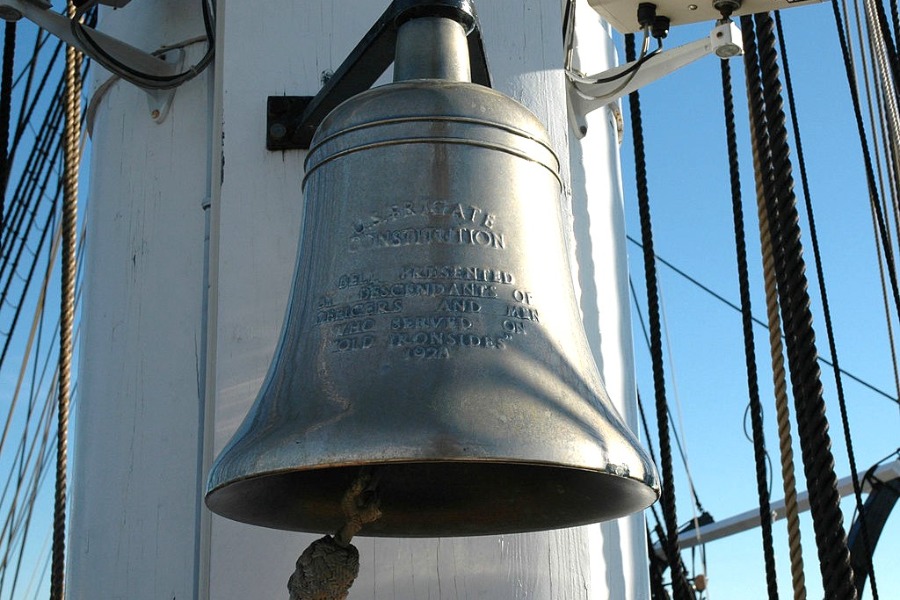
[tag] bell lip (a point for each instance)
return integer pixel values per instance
(630, 495)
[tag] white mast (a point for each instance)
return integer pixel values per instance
(166, 376)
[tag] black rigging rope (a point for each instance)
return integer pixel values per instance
(681, 589)
(834, 556)
(755, 407)
(823, 292)
(9, 55)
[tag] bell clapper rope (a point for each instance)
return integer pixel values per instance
(329, 566)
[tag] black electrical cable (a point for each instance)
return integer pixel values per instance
(823, 293)
(755, 406)
(834, 556)
(680, 586)
(143, 79)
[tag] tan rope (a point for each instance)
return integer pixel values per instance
(72, 159)
(779, 379)
(328, 567)
(783, 412)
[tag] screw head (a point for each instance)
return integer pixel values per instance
(277, 131)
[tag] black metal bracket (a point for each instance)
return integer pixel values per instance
(291, 121)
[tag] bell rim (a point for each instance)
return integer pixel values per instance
(549, 508)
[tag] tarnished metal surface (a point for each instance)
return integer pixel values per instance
(433, 336)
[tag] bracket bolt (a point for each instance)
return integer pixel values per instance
(277, 131)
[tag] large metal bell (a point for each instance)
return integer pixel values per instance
(433, 338)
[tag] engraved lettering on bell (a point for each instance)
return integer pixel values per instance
(486, 274)
(425, 236)
(426, 208)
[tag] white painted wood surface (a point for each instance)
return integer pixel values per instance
(136, 532)
(134, 493)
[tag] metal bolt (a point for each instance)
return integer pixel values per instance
(277, 131)
(692, 7)
(8, 13)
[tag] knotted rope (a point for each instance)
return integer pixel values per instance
(330, 565)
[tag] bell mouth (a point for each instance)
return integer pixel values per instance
(436, 499)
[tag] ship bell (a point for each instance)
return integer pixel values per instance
(432, 339)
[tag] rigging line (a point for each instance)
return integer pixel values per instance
(22, 200)
(895, 19)
(37, 572)
(876, 108)
(11, 263)
(72, 130)
(54, 115)
(44, 454)
(33, 395)
(678, 445)
(680, 586)
(38, 480)
(812, 422)
(885, 59)
(887, 307)
(14, 521)
(8, 341)
(46, 171)
(657, 587)
(9, 54)
(38, 166)
(823, 294)
(21, 535)
(758, 321)
(27, 110)
(41, 456)
(880, 30)
(72, 158)
(29, 68)
(650, 447)
(682, 446)
(867, 159)
(51, 260)
(754, 405)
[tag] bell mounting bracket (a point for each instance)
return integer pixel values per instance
(291, 121)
